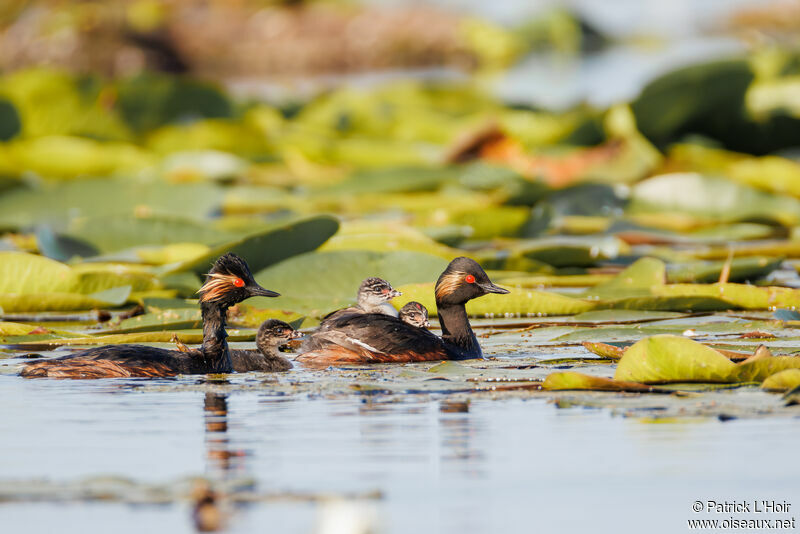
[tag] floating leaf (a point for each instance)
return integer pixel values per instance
(187, 336)
(34, 283)
(638, 278)
(61, 247)
(174, 319)
(708, 271)
(712, 197)
(151, 100)
(689, 99)
(570, 380)
(571, 251)
(666, 358)
(70, 157)
(25, 207)
(10, 124)
(55, 301)
(19, 329)
(114, 232)
(369, 235)
(393, 180)
(604, 350)
(785, 380)
(268, 247)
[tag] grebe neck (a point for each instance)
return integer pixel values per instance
(457, 331)
(215, 344)
(270, 351)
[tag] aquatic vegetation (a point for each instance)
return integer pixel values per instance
(129, 207)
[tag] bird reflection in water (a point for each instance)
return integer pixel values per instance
(223, 462)
(210, 513)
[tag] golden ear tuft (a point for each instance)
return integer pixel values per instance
(449, 283)
(216, 286)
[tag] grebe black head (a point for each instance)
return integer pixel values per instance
(415, 314)
(463, 280)
(273, 334)
(229, 281)
(373, 292)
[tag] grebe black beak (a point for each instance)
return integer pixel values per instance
(258, 291)
(491, 288)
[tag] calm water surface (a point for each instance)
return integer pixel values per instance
(504, 466)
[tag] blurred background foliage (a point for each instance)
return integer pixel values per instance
(140, 138)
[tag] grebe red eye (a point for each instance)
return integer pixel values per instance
(238, 282)
(469, 279)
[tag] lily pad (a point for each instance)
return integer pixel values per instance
(604, 350)
(785, 380)
(570, 380)
(114, 232)
(666, 358)
(712, 197)
(268, 247)
(60, 203)
(638, 278)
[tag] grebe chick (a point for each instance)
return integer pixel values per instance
(272, 334)
(414, 314)
(377, 338)
(373, 296)
(229, 282)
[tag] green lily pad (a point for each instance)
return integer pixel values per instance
(638, 278)
(55, 301)
(604, 350)
(10, 124)
(385, 237)
(69, 157)
(393, 180)
(171, 319)
(268, 247)
(690, 99)
(35, 283)
(785, 380)
(570, 251)
(570, 380)
(58, 203)
(667, 358)
(186, 336)
(711, 197)
(8, 329)
(151, 100)
(708, 271)
(114, 232)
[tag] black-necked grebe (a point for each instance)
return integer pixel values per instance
(378, 338)
(229, 282)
